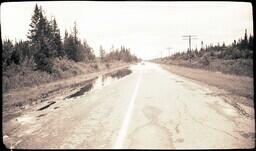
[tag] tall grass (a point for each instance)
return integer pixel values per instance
(19, 76)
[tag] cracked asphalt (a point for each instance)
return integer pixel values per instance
(149, 108)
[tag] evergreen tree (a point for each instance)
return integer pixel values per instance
(57, 44)
(89, 56)
(196, 52)
(75, 32)
(66, 35)
(234, 43)
(40, 38)
(102, 54)
(250, 42)
(245, 37)
(66, 44)
(7, 52)
(243, 43)
(34, 32)
(73, 47)
(17, 55)
(223, 45)
(69, 47)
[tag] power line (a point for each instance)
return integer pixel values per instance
(189, 37)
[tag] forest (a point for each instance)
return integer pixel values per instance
(47, 56)
(236, 58)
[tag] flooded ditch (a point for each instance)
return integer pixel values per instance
(101, 81)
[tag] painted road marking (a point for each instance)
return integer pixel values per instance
(123, 131)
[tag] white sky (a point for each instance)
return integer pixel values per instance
(146, 27)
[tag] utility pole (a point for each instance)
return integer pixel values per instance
(189, 37)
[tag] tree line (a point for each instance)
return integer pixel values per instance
(44, 44)
(243, 48)
(122, 54)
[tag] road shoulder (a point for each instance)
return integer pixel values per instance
(234, 90)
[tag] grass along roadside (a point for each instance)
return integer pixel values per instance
(235, 88)
(16, 100)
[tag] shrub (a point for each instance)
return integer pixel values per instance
(107, 65)
(17, 76)
(64, 68)
(95, 66)
(211, 53)
(204, 60)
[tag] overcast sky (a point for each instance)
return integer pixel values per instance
(146, 27)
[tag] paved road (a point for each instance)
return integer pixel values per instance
(150, 108)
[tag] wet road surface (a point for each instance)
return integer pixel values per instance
(148, 108)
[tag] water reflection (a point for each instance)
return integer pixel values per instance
(100, 82)
(84, 89)
(119, 73)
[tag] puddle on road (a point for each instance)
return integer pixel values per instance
(101, 81)
(84, 89)
(46, 106)
(56, 107)
(119, 73)
(41, 115)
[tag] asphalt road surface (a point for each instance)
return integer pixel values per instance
(149, 108)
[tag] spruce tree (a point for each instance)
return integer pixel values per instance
(73, 47)
(102, 54)
(40, 40)
(7, 52)
(34, 32)
(57, 44)
(250, 42)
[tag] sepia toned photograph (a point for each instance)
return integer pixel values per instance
(127, 75)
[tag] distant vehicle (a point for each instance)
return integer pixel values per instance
(142, 63)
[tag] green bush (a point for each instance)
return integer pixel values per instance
(204, 60)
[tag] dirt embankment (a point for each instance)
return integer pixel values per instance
(22, 98)
(238, 88)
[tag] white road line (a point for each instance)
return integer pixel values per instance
(123, 131)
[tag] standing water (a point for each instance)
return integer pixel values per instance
(101, 81)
